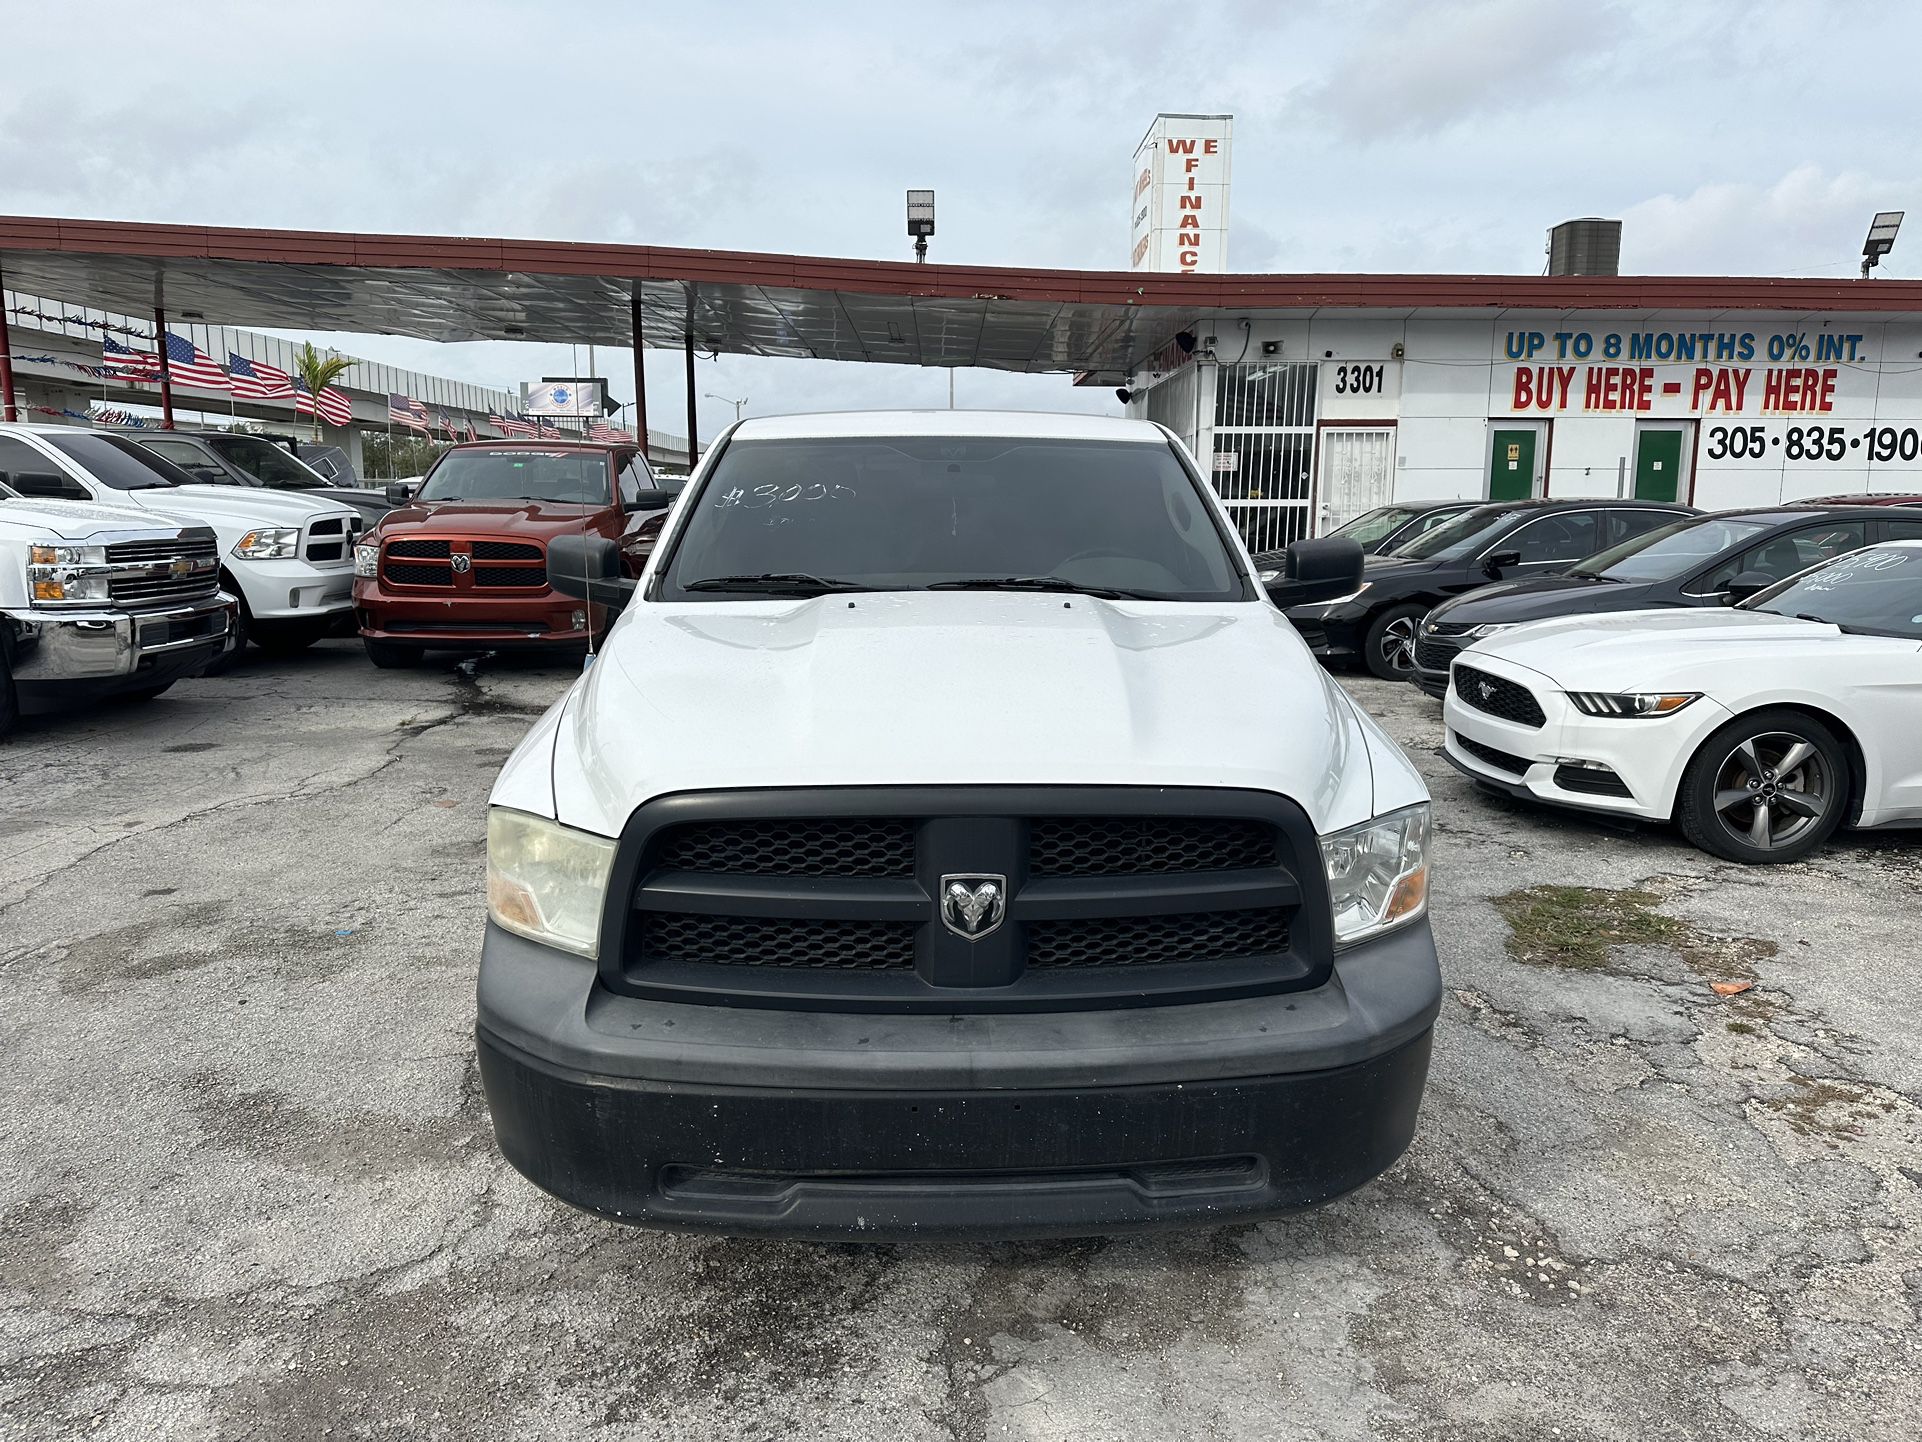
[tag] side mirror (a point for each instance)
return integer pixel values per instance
(1496, 562)
(399, 493)
(652, 500)
(1322, 570)
(1746, 584)
(588, 568)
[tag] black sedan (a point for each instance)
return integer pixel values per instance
(1498, 541)
(1701, 561)
(1382, 530)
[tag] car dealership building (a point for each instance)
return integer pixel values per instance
(1309, 417)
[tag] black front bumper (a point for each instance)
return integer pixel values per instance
(1332, 635)
(794, 1123)
(1429, 683)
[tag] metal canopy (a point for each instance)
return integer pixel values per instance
(449, 288)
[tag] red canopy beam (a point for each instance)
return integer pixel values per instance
(7, 409)
(166, 371)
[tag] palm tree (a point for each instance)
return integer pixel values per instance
(317, 372)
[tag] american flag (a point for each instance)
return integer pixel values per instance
(602, 431)
(189, 365)
(256, 380)
(472, 434)
(406, 411)
(549, 429)
(135, 365)
(334, 407)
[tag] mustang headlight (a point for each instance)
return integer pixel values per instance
(60, 575)
(366, 560)
(269, 543)
(1631, 703)
(1378, 873)
(546, 881)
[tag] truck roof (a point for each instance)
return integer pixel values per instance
(1033, 425)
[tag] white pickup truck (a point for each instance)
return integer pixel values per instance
(952, 838)
(102, 601)
(287, 559)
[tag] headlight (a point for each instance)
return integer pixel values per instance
(1631, 703)
(59, 575)
(1378, 873)
(270, 543)
(366, 560)
(1488, 630)
(546, 881)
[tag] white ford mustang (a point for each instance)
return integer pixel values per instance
(1758, 729)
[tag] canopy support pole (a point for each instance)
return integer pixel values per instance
(640, 371)
(8, 411)
(693, 445)
(166, 371)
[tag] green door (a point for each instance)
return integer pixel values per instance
(1658, 465)
(1511, 475)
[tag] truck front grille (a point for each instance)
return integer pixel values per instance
(762, 941)
(173, 572)
(835, 899)
(1159, 940)
(837, 846)
(463, 563)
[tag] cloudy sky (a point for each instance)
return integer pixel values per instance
(1434, 135)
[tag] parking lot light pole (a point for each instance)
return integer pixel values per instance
(166, 371)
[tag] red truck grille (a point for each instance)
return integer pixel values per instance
(459, 563)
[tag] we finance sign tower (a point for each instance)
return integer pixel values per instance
(1180, 204)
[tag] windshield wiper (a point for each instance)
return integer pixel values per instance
(801, 582)
(1042, 583)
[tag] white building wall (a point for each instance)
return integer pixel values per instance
(1454, 381)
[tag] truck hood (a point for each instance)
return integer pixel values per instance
(1689, 649)
(81, 520)
(491, 518)
(238, 506)
(964, 688)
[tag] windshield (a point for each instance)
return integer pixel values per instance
(1459, 537)
(119, 463)
(1669, 551)
(1373, 525)
(889, 513)
(266, 462)
(1877, 592)
(510, 474)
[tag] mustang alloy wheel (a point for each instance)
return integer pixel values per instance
(1765, 788)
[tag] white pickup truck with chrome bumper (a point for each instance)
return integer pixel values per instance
(99, 601)
(288, 559)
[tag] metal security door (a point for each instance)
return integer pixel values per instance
(1264, 448)
(1658, 464)
(1357, 474)
(1511, 466)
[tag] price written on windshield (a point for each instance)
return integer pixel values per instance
(1813, 443)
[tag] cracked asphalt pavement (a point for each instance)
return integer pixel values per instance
(247, 1187)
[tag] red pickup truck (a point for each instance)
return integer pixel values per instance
(462, 565)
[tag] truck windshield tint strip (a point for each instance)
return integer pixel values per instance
(906, 513)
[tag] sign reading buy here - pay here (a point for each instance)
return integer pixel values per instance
(1180, 197)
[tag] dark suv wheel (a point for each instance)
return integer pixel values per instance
(1768, 787)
